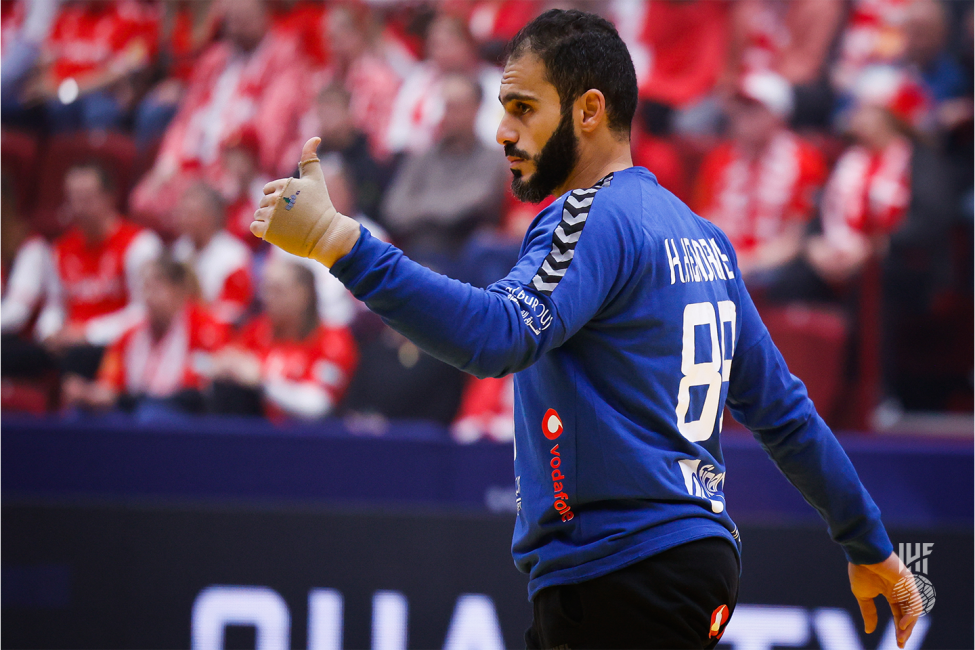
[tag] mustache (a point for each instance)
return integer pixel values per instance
(511, 150)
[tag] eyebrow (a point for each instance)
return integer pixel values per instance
(511, 97)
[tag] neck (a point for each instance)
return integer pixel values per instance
(461, 142)
(591, 168)
(201, 240)
(755, 148)
(158, 328)
(881, 141)
(287, 331)
(98, 232)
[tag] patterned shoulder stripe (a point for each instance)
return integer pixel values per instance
(575, 210)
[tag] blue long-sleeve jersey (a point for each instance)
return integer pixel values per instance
(629, 329)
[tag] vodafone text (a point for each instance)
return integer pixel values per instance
(561, 498)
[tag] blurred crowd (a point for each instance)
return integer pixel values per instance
(830, 139)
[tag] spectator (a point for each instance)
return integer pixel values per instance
(792, 39)
(221, 262)
(286, 361)
(420, 104)
(98, 292)
(881, 180)
(158, 366)
(925, 35)
(359, 67)
(27, 280)
(760, 186)
(249, 78)
(88, 63)
(678, 50)
(26, 27)
(440, 197)
(337, 123)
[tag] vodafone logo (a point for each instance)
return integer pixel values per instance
(551, 424)
(719, 618)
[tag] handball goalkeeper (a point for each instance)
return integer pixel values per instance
(628, 329)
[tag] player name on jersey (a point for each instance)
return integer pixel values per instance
(696, 260)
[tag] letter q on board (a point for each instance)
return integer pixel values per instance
(551, 424)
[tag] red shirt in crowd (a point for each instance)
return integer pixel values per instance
(487, 409)
(684, 45)
(752, 199)
(98, 283)
(223, 271)
(88, 37)
(303, 22)
(869, 192)
(137, 364)
(304, 378)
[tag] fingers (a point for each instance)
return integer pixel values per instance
(259, 229)
(269, 199)
(262, 219)
(869, 612)
(309, 165)
(904, 626)
(276, 186)
(906, 606)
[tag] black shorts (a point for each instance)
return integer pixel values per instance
(680, 598)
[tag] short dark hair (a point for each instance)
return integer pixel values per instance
(213, 198)
(581, 52)
(172, 271)
(105, 178)
(475, 86)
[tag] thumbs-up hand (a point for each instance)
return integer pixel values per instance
(297, 215)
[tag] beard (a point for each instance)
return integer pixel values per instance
(553, 164)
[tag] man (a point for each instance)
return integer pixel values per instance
(222, 262)
(98, 262)
(440, 197)
(611, 322)
(759, 187)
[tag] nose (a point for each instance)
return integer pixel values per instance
(506, 134)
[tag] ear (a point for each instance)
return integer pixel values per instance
(592, 104)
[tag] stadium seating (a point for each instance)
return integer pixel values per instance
(18, 152)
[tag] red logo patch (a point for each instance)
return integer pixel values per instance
(719, 618)
(551, 424)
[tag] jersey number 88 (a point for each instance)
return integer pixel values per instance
(710, 373)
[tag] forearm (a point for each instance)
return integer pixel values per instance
(14, 314)
(300, 399)
(807, 453)
(104, 330)
(478, 331)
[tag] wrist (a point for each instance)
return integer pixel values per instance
(337, 241)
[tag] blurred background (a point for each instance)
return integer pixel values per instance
(208, 442)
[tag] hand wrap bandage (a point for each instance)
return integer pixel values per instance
(297, 215)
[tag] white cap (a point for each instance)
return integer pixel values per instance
(770, 90)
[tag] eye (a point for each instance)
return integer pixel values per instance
(522, 108)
